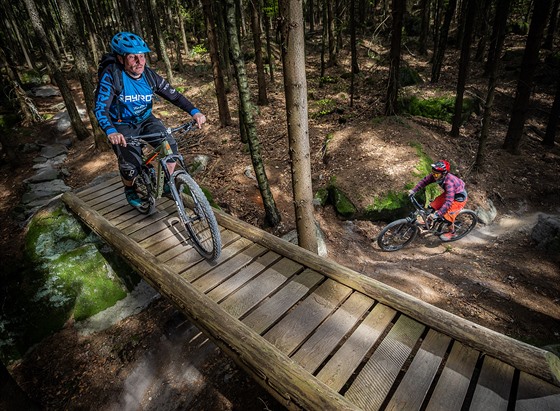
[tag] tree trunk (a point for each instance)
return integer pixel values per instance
(399, 7)
(442, 42)
(550, 135)
(272, 216)
(330, 22)
(471, 8)
(295, 88)
(269, 54)
(223, 107)
(54, 68)
(525, 82)
(497, 43)
(424, 27)
(82, 69)
(498, 34)
(549, 39)
(161, 41)
(257, 42)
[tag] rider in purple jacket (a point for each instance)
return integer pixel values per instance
(451, 201)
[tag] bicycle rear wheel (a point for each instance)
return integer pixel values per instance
(145, 192)
(464, 223)
(396, 235)
(197, 217)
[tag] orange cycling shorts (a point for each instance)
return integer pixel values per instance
(452, 212)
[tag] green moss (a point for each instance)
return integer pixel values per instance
(322, 196)
(437, 108)
(51, 232)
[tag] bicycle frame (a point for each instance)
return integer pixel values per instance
(161, 156)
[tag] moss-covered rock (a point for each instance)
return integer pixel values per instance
(438, 108)
(342, 204)
(321, 197)
(69, 273)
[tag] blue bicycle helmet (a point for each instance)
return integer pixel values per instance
(128, 43)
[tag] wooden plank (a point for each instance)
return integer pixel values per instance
(243, 251)
(163, 211)
(454, 380)
(493, 386)
(99, 198)
(369, 389)
(536, 394)
(274, 307)
(298, 324)
(250, 271)
(254, 291)
(117, 207)
(179, 258)
(157, 228)
(527, 358)
(91, 192)
(415, 384)
(329, 335)
(348, 357)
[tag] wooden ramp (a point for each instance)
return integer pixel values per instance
(315, 334)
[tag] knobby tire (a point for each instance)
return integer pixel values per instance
(198, 217)
(464, 223)
(396, 235)
(144, 188)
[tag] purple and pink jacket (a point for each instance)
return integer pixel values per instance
(451, 185)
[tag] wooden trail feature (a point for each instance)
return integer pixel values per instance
(315, 334)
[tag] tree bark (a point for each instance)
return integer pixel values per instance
(442, 41)
(272, 216)
(525, 83)
(295, 88)
(219, 85)
(257, 42)
(497, 43)
(394, 58)
(471, 8)
(550, 135)
(82, 69)
(54, 68)
(161, 41)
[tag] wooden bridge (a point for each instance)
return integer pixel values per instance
(315, 334)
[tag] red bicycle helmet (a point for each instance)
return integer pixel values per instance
(441, 166)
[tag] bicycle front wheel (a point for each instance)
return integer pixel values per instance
(464, 223)
(197, 217)
(396, 235)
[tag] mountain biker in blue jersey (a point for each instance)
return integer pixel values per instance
(453, 199)
(123, 106)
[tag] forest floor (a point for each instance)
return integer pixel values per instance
(495, 277)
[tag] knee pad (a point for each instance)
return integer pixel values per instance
(128, 171)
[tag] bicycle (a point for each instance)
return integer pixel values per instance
(402, 232)
(198, 220)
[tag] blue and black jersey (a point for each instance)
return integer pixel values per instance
(133, 104)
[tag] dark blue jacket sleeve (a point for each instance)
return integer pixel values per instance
(104, 96)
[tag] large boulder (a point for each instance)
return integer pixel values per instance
(546, 233)
(69, 274)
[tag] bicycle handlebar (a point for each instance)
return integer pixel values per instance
(168, 131)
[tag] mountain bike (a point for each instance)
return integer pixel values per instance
(402, 232)
(193, 208)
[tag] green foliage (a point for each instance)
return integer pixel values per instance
(199, 49)
(438, 108)
(327, 80)
(408, 77)
(323, 107)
